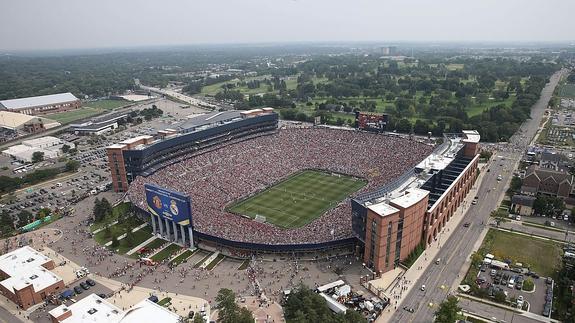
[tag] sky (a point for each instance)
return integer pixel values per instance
(77, 24)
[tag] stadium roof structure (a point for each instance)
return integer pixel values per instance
(36, 101)
(15, 120)
(212, 118)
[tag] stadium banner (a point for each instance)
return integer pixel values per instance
(168, 204)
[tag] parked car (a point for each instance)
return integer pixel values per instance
(78, 290)
(90, 282)
(84, 286)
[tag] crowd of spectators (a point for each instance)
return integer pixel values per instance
(217, 178)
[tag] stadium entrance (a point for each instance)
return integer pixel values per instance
(171, 215)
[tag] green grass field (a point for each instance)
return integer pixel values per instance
(543, 257)
(567, 90)
(90, 109)
(299, 199)
(107, 104)
(166, 253)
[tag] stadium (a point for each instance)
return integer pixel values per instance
(253, 186)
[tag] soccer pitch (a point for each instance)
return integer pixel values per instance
(299, 199)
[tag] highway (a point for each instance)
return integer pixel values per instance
(455, 252)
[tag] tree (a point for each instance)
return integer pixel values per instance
(115, 242)
(500, 297)
(229, 311)
(65, 148)
(500, 216)
(24, 217)
(303, 305)
(528, 285)
(447, 311)
(98, 211)
(37, 156)
(404, 125)
(198, 319)
(72, 166)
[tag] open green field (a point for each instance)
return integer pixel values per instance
(543, 257)
(567, 90)
(73, 115)
(107, 104)
(291, 84)
(299, 199)
(90, 109)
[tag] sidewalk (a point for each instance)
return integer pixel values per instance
(429, 255)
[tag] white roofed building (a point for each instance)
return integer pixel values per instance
(94, 309)
(27, 279)
(50, 146)
(40, 105)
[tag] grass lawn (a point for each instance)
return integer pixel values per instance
(166, 253)
(244, 265)
(139, 236)
(73, 115)
(478, 108)
(299, 199)
(165, 301)
(567, 90)
(216, 261)
(89, 110)
(118, 210)
(107, 104)
(199, 263)
(543, 257)
(181, 258)
(155, 243)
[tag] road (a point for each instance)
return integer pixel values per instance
(456, 250)
(7, 317)
(177, 95)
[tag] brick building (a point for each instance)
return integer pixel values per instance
(392, 221)
(40, 105)
(545, 181)
(26, 277)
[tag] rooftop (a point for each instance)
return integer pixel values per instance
(410, 197)
(21, 260)
(41, 141)
(92, 308)
(209, 118)
(39, 277)
(14, 119)
(383, 209)
(135, 139)
(35, 101)
(471, 136)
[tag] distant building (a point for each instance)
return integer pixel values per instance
(545, 181)
(97, 310)
(40, 105)
(27, 279)
(99, 125)
(389, 50)
(522, 204)
(50, 146)
(19, 122)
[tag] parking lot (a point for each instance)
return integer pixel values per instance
(511, 283)
(76, 292)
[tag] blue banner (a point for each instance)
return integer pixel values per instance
(168, 204)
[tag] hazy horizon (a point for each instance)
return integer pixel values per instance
(66, 24)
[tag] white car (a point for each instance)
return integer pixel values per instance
(423, 288)
(520, 301)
